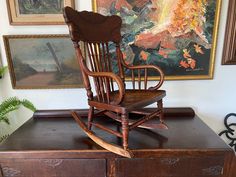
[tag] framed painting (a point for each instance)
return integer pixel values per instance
(1, 66)
(180, 36)
(0, 59)
(37, 12)
(42, 61)
(229, 50)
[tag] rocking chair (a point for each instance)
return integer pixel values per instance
(101, 38)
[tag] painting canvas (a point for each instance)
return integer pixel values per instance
(40, 6)
(31, 12)
(177, 35)
(42, 61)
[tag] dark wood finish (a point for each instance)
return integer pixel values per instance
(233, 167)
(211, 166)
(186, 112)
(1, 172)
(54, 167)
(54, 146)
(100, 36)
(229, 51)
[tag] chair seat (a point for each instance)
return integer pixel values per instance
(134, 99)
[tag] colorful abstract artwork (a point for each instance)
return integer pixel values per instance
(177, 35)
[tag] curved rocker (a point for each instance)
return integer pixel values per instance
(110, 147)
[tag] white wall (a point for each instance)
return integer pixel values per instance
(211, 99)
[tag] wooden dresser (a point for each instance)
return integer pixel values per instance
(52, 145)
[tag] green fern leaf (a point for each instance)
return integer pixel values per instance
(28, 104)
(12, 104)
(9, 105)
(2, 138)
(5, 119)
(2, 70)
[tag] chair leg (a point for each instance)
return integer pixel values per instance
(90, 117)
(125, 130)
(160, 106)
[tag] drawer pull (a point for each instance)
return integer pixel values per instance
(52, 162)
(169, 161)
(7, 172)
(213, 171)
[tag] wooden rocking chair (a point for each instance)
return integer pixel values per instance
(98, 33)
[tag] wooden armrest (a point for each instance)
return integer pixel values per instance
(115, 78)
(146, 67)
(104, 78)
(112, 76)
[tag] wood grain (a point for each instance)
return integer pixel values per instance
(55, 146)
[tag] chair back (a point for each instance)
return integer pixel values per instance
(101, 39)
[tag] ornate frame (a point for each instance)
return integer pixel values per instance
(1, 65)
(229, 51)
(61, 60)
(15, 18)
(212, 52)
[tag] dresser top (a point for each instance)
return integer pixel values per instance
(62, 133)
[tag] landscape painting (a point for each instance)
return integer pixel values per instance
(40, 6)
(42, 61)
(37, 12)
(177, 35)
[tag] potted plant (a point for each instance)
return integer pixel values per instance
(11, 104)
(2, 70)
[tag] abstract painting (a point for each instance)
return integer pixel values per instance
(177, 35)
(37, 12)
(42, 61)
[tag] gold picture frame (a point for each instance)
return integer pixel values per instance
(23, 12)
(194, 59)
(45, 62)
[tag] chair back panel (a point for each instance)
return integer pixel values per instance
(99, 56)
(93, 27)
(101, 37)
(99, 60)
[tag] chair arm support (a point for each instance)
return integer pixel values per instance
(159, 84)
(111, 75)
(114, 77)
(117, 79)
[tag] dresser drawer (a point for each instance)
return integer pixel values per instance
(170, 166)
(54, 168)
